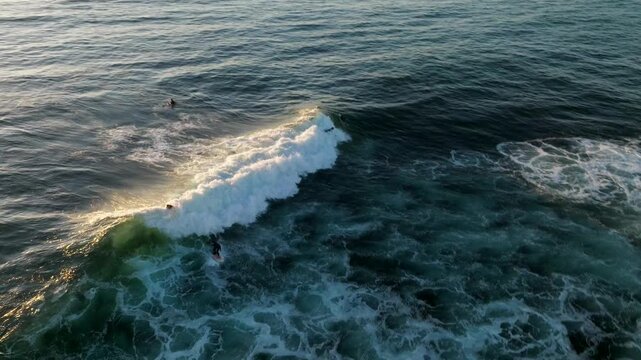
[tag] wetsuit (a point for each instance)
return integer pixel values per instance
(215, 246)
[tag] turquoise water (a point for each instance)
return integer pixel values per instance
(478, 197)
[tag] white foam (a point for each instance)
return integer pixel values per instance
(115, 137)
(606, 172)
(265, 166)
(154, 146)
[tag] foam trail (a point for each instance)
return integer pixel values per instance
(267, 165)
(605, 172)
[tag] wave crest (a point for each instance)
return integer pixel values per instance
(266, 165)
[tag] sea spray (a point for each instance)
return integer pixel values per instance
(237, 190)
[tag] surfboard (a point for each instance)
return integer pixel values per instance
(214, 261)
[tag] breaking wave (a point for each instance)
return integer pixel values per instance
(263, 166)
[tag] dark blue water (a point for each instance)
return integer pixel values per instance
(478, 197)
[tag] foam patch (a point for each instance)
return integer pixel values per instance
(605, 172)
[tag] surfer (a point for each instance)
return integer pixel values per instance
(169, 207)
(330, 129)
(171, 103)
(215, 247)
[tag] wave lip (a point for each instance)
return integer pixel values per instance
(267, 165)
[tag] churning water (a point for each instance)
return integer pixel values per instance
(389, 180)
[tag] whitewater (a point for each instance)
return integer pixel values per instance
(267, 166)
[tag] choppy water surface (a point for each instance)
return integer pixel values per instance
(478, 197)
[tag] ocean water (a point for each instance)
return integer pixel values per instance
(388, 180)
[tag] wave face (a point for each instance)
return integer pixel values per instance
(267, 165)
(581, 170)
